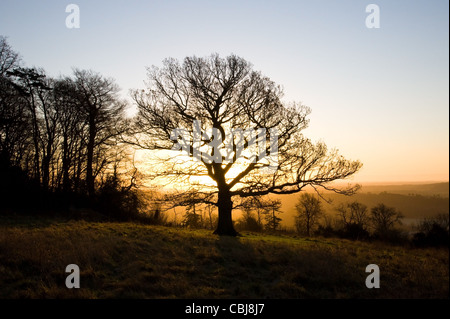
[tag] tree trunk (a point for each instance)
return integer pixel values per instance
(37, 173)
(46, 171)
(210, 217)
(66, 166)
(225, 224)
(90, 156)
(308, 227)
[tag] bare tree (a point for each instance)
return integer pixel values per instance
(218, 95)
(309, 210)
(272, 208)
(209, 209)
(15, 119)
(384, 219)
(193, 214)
(256, 203)
(31, 83)
(28, 115)
(15, 134)
(355, 220)
(9, 59)
(37, 89)
(103, 113)
(50, 128)
(73, 128)
(354, 213)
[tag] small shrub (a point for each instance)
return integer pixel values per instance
(248, 222)
(354, 231)
(437, 236)
(326, 231)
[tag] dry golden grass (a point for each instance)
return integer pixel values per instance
(126, 260)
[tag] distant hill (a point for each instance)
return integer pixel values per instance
(415, 201)
(435, 189)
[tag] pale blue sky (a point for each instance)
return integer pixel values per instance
(378, 95)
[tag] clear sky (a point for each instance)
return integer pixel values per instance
(379, 95)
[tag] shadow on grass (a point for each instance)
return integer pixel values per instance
(254, 269)
(125, 260)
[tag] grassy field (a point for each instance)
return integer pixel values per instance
(127, 260)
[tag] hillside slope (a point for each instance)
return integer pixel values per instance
(126, 260)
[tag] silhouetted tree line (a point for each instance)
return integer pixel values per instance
(259, 213)
(60, 141)
(356, 221)
(353, 221)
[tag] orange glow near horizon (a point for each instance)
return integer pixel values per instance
(370, 174)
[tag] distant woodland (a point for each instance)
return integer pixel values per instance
(415, 201)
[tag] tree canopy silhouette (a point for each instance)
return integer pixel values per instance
(198, 103)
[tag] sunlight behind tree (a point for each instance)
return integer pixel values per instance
(225, 94)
